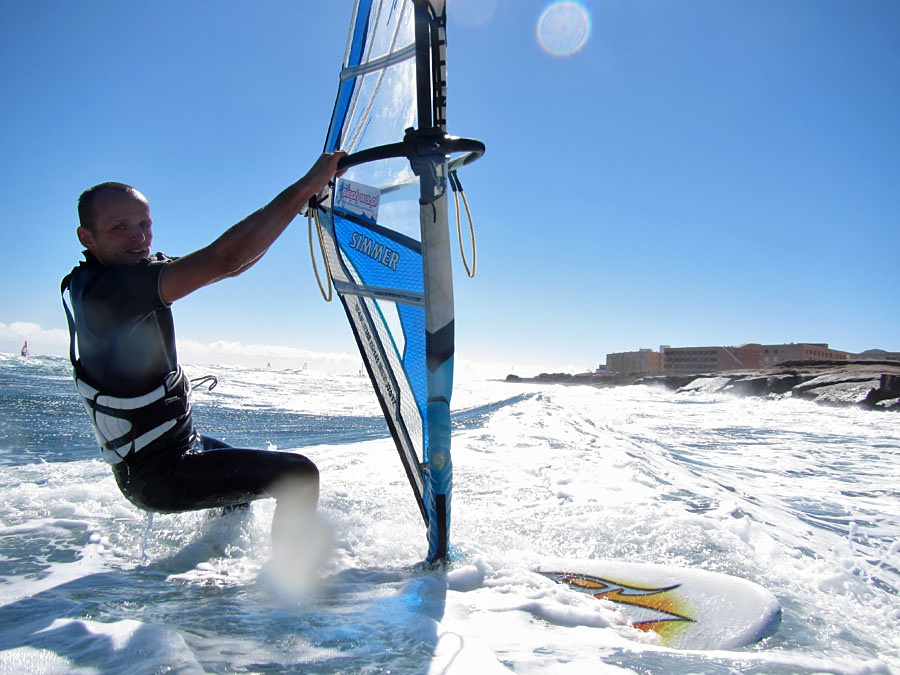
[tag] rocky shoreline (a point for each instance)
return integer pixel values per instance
(871, 385)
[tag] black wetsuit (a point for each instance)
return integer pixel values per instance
(126, 345)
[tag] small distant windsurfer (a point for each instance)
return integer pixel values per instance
(25, 348)
(126, 368)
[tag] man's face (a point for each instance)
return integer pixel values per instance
(122, 232)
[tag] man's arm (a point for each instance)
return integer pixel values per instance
(239, 247)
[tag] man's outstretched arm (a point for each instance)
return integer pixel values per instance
(239, 247)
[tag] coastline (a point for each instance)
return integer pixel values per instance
(870, 385)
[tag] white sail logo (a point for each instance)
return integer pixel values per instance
(358, 199)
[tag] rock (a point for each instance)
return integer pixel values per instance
(668, 381)
(831, 390)
(888, 404)
(554, 377)
(707, 385)
(749, 386)
(887, 395)
(866, 384)
(867, 389)
(783, 382)
(763, 385)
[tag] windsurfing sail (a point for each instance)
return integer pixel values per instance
(384, 232)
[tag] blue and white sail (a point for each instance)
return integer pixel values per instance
(385, 236)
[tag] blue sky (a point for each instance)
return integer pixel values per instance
(699, 172)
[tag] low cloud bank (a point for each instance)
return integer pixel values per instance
(55, 342)
(280, 357)
(49, 342)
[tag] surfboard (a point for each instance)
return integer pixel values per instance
(687, 608)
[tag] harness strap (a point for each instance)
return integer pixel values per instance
(132, 423)
(63, 287)
(126, 424)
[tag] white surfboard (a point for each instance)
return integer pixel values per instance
(687, 608)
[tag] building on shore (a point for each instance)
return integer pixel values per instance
(641, 362)
(688, 360)
(803, 351)
(876, 355)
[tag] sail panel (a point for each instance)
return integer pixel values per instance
(386, 240)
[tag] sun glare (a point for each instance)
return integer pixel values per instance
(563, 28)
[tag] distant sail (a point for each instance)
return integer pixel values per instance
(384, 232)
(25, 348)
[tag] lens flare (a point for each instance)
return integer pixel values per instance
(563, 28)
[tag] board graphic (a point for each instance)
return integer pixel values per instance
(687, 608)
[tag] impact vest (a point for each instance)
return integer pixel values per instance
(123, 425)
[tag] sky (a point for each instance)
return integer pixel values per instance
(703, 172)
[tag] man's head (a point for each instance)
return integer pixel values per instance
(115, 223)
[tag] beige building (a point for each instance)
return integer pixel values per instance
(804, 351)
(634, 363)
(876, 355)
(710, 359)
(688, 360)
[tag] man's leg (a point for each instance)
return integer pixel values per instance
(224, 476)
(221, 476)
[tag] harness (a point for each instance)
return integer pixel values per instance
(123, 425)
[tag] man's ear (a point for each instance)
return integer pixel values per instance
(86, 237)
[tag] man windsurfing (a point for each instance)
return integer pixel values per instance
(126, 367)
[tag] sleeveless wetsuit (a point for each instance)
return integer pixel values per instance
(128, 375)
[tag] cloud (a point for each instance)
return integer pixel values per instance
(55, 342)
(51, 342)
(261, 355)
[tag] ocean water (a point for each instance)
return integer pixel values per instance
(802, 499)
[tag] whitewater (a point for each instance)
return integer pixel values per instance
(799, 498)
